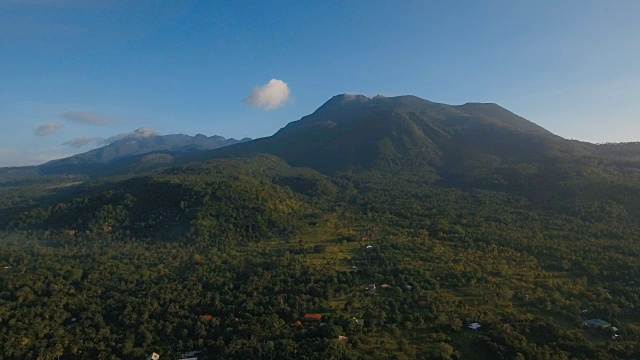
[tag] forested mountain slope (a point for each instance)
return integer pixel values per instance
(229, 200)
(352, 132)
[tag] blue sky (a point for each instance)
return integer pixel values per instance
(75, 72)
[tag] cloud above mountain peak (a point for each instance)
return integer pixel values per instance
(270, 96)
(81, 141)
(142, 132)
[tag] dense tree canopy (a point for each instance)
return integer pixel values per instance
(226, 257)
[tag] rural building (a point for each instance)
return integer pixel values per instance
(153, 356)
(190, 355)
(312, 317)
(357, 324)
(598, 323)
(474, 326)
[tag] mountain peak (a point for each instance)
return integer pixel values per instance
(352, 131)
(344, 100)
(351, 97)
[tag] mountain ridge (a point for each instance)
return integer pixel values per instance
(357, 132)
(136, 145)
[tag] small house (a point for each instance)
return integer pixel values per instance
(206, 317)
(474, 326)
(357, 324)
(312, 317)
(385, 286)
(597, 323)
(422, 303)
(190, 355)
(153, 356)
(70, 232)
(343, 338)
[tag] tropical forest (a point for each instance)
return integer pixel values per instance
(373, 228)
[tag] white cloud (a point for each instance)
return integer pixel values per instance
(47, 129)
(82, 141)
(100, 141)
(139, 133)
(270, 96)
(88, 118)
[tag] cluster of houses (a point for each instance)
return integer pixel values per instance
(371, 288)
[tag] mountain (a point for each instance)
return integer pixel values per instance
(137, 145)
(375, 142)
(136, 151)
(351, 132)
(472, 146)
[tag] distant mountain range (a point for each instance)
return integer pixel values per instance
(137, 145)
(357, 133)
(143, 151)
